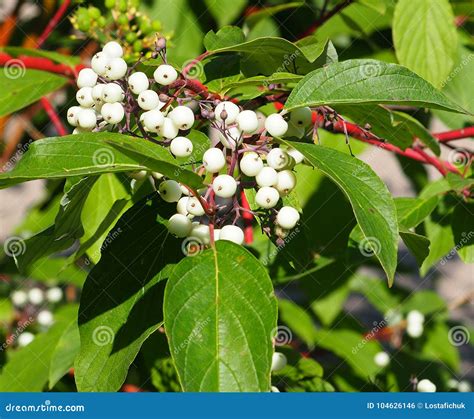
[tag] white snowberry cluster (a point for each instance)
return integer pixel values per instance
(242, 156)
(415, 323)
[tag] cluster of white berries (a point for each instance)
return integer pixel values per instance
(33, 299)
(415, 324)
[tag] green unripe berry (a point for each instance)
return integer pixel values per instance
(110, 4)
(156, 25)
(101, 22)
(94, 13)
(123, 6)
(131, 37)
(122, 20)
(134, 3)
(83, 23)
(137, 45)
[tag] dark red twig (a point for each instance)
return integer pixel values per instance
(55, 20)
(248, 219)
(49, 108)
(457, 134)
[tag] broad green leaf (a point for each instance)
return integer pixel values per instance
(121, 298)
(220, 314)
(269, 11)
(370, 199)
(64, 354)
(425, 301)
(225, 11)
(364, 81)
(352, 348)
(425, 38)
(69, 60)
(413, 211)
(21, 87)
(265, 56)
(297, 319)
(27, 370)
(376, 292)
(418, 245)
(438, 345)
(93, 153)
(6, 312)
(225, 37)
(463, 230)
(275, 78)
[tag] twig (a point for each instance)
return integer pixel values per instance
(55, 20)
(49, 108)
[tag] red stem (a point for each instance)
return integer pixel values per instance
(248, 219)
(56, 19)
(40, 63)
(457, 134)
(49, 108)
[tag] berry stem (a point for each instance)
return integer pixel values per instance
(49, 108)
(248, 218)
(40, 63)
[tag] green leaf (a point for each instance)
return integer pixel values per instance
(425, 38)
(425, 301)
(463, 230)
(93, 153)
(121, 299)
(364, 81)
(225, 11)
(225, 37)
(438, 345)
(28, 368)
(352, 348)
(220, 314)
(370, 199)
(413, 211)
(21, 87)
(297, 319)
(69, 60)
(269, 11)
(376, 292)
(419, 245)
(64, 354)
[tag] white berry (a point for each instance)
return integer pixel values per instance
(232, 233)
(415, 316)
(247, 121)
(276, 125)
(165, 74)
(168, 129)
(194, 207)
(415, 330)
(112, 93)
(117, 69)
(181, 206)
(19, 298)
(25, 338)
(138, 82)
(267, 197)
(297, 156)
(113, 113)
(179, 225)
(84, 97)
(213, 160)
(182, 117)
(268, 176)
(201, 233)
(251, 164)
(36, 296)
(181, 147)
(153, 120)
(113, 49)
(231, 109)
(278, 361)
(278, 158)
(100, 63)
(45, 318)
(224, 186)
(286, 182)
(301, 117)
(232, 137)
(72, 114)
(87, 119)
(54, 295)
(426, 386)
(86, 78)
(97, 94)
(382, 359)
(148, 100)
(287, 217)
(170, 191)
